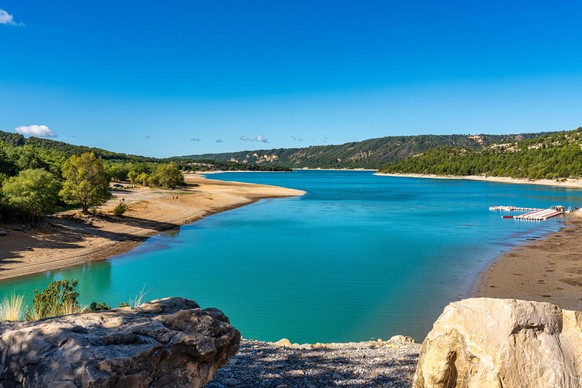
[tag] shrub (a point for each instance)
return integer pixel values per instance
(59, 298)
(33, 192)
(120, 209)
(96, 306)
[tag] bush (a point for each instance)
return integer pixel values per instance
(96, 306)
(59, 298)
(120, 209)
(33, 192)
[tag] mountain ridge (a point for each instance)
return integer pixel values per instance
(371, 153)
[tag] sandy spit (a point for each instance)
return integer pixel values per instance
(547, 270)
(568, 183)
(65, 240)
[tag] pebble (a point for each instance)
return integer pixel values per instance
(362, 364)
(230, 382)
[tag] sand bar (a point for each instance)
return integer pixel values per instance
(65, 241)
(567, 183)
(547, 270)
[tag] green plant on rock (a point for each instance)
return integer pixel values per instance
(59, 298)
(96, 306)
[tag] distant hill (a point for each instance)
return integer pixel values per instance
(372, 153)
(66, 149)
(554, 155)
(62, 150)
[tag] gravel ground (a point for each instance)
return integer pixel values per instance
(363, 364)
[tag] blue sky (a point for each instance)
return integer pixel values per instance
(189, 77)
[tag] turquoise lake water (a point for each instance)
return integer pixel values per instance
(358, 257)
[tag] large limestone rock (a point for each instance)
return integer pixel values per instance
(486, 342)
(169, 342)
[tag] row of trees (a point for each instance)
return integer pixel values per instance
(35, 192)
(165, 175)
(554, 156)
(82, 180)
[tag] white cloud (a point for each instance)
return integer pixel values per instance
(35, 130)
(260, 139)
(6, 18)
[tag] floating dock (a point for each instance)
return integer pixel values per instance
(540, 215)
(513, 209)
(533, 214)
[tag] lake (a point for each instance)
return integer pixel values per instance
(358, 257)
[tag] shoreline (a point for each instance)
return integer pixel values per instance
(545, 270)
(65, 240)
(569, 183)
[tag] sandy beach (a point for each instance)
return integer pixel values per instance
(547, 270)
(568, 183)
(65, 239)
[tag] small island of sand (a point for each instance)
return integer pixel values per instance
(65, 239)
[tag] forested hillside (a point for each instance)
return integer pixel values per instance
(372, 153)
(550, 156)
(54, 152)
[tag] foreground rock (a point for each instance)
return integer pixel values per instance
(486, 342)
(168, 342)
(362, 364)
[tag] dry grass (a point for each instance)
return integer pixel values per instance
(11, 308)
(135, 303)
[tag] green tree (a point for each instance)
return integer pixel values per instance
(33, 191)
(86, 182)
(117, 172)
(139, 173)
(167, 176)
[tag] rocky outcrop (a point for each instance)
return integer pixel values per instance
(167, 342)
(485, 342)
